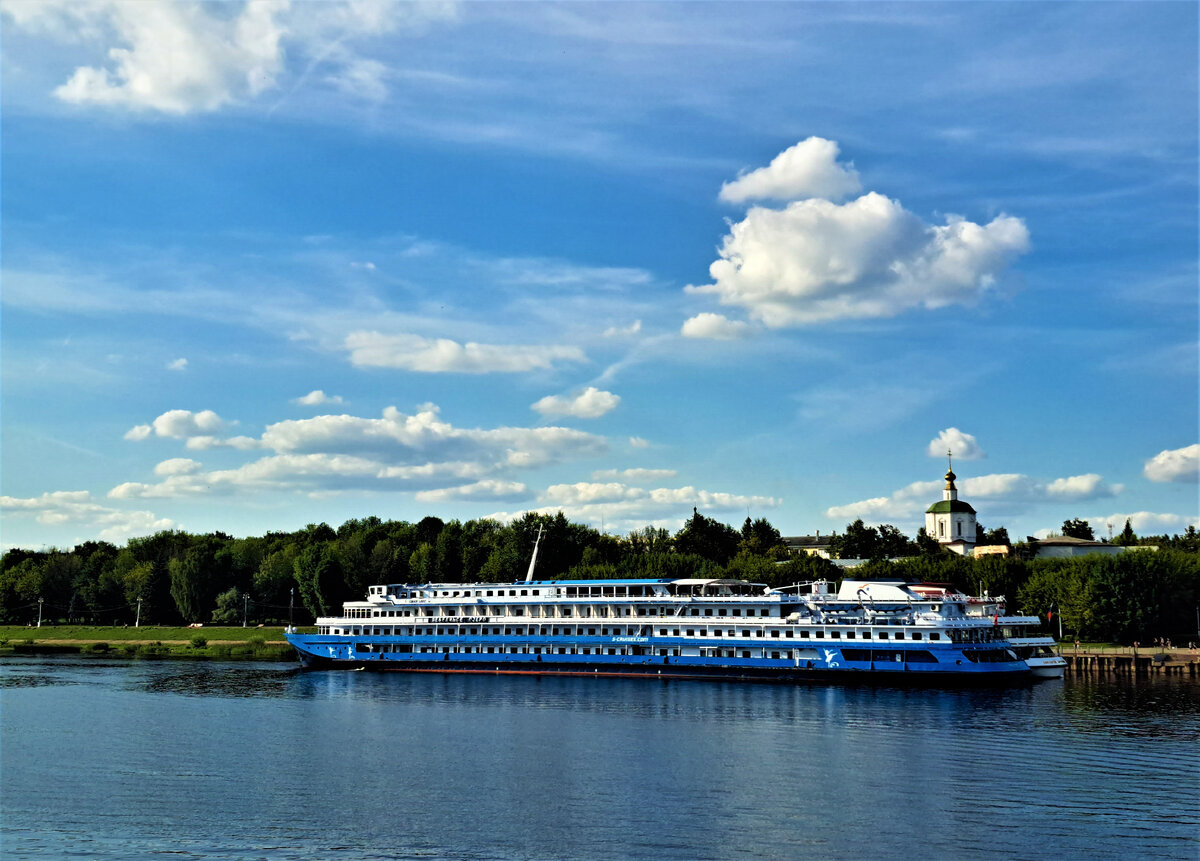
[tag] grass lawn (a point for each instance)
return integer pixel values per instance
(146, 633)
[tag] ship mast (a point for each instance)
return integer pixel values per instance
(533, 559)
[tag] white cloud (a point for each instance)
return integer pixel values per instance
(1090, 486)
(316, 398)
(617, 505)
(910, 501)
(623, 331)
(635, 476)
(77, 507)
(442, 355)
(485, 489)
(138, 432)
(588, 404)
(178, 365)
(1142, 522)
(1180, 464)
(815, 260)
(395, 452)
(177, 466)
(638, 442)
(964, 446)
(808, 169)
(178, 58)
(715, 326)
(180, 424)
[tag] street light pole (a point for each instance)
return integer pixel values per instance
(39, 612)
(137, 620)
(292, 602)
(245, 607)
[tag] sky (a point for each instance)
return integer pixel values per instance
(269, 264)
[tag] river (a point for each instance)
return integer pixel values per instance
(103, 759)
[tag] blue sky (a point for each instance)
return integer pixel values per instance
(270, 264)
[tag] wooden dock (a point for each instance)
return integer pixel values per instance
(1179, 666)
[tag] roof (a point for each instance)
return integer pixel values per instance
(806, 540)
(947, 506)
(1067, 541)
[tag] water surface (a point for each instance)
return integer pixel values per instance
(146, 759)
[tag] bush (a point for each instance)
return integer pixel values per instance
(256, 643)
(199, 642)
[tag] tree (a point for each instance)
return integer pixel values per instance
(996, 536)
(760, 538)
(709, 538)
(1127, 538)
(1078, 529)
(189, 587)
(859, 542)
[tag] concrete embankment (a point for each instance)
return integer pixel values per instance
(1132, 665)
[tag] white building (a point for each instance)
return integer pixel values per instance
(951, 522)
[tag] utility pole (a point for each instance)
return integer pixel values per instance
(245, 607)
(137, 620)
(291, 603)
(39, 611)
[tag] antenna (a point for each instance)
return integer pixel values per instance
(533, 559)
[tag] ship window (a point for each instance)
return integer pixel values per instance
(919, 656)
(737, 612)
(849, 635)
(804, 635)
(717, 632)
(899, 635)
(788, 634)
(708, 611)
(882, 635)
(746, 654)
(837, 635)
(935, 636)
(820, 635)
(774, 633)
(722, 612)
(916, 635)
(524, 591)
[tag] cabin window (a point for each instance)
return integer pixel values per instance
(916, 635)
(882, 635)
(737, 612)
(774, 633)
(820, 635)
(837, 635)
(899, 635)
(746, 653)
(722, 612)
(708, 611)
(804, 635)
(788, 634)
(849, 635)
(935, 636)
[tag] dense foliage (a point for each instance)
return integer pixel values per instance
(175, 577)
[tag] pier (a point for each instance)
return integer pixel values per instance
(1127, 662)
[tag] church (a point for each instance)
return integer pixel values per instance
(951, 522)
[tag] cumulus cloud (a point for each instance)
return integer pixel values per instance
(177, 58)
(623, 331)
(816, 260)
(808, 169)
(638, 442)
(177, 365)
(1142, 522)
(962, 445)
(485, 489)
(634, 476)
(178, 424)
(616, 504)
(177, 466)
(442, 355)
(590, 403)
(912, 500)
(181, 58)
(397, 451)
(316, 398)
(77, 507)
(1180, 464)
(714, 326)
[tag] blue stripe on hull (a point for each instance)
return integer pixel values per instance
(674, 667)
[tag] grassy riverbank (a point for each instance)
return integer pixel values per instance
(212, 643)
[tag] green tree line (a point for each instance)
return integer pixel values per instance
(176, 577)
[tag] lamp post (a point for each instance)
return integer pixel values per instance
(245, 607)
(292, 603)
(137, 620)
(39, 611)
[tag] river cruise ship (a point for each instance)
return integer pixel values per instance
(667, 628)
